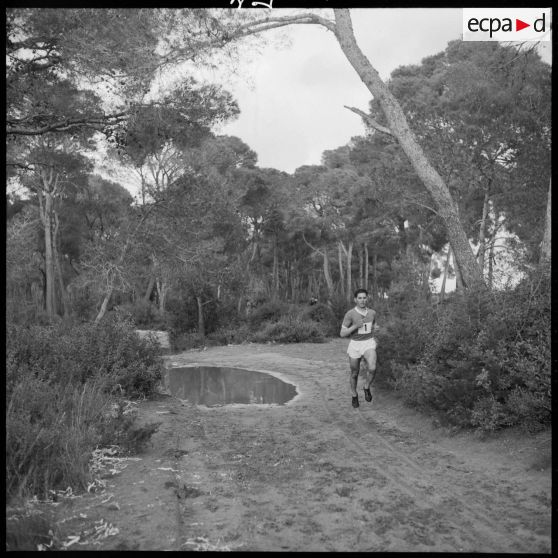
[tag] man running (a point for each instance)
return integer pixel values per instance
(360, 324)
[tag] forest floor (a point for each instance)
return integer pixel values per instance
(315, 474)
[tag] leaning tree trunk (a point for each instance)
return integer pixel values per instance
(546, 241)
(446, 270)
(399, 127)
(482, 230)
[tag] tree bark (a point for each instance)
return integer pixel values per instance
(149, 290)
(56, 257)
(201, 321)
(375, 276)
(341, 272)
(546, 241)
(446, 269)
(46, 208)
(349, 271)
(327, 273)
(399, 127)
(366, 268)
(490, 278)
(482, 230)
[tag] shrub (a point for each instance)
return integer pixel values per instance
(271, 311)
(60, 382)
(186, 341)
(322, 314)
(76, 352)
(145, 315)
(51, 430)
(485, 363)
(232, 334)
(290, 329)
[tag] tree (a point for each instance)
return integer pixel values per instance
(493, 102)
(397, 124)
(51, 169)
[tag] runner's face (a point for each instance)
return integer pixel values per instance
(361, 299)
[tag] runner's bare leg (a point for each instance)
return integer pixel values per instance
(355, 367)
(370, 357)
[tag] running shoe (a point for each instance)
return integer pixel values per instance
(355, 401)
(367, 395)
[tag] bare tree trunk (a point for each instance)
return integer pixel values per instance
(149, 290)
(349, 271)
(275, 271)
(201, 321)
(399, 127)
(490, 278)
(162, 289)
(375, 276)
(361, 266)
(56, 257)
(482, 230)
(341, 272)
(327, 273)
(366, 269)
(459, 286)
(446, 269)
(46, 208)
(546, 244)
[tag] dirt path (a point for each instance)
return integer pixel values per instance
(316, 474)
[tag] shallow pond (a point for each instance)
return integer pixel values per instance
(216, 386)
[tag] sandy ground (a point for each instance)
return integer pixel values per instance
(315, 474)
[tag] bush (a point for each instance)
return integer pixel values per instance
(290, 329)
(485, 362)
(60, 383)
(145, 315)
(322, 314)
(271, 311)
(232, 334)
(186, 341)
(51, 430)
(70, 352)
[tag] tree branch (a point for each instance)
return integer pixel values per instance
(63, 125)
(370, 121)
(313, 247)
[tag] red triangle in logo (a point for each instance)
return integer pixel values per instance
(519, 25)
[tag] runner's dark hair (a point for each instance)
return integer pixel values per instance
(361, 291)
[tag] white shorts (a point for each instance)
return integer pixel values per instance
(356, 349)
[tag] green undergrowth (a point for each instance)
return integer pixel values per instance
(477, 361)
(68, 388)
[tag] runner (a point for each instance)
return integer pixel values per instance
(360, 324)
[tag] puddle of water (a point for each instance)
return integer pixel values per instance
(216, 386)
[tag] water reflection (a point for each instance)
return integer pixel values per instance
(212, 386)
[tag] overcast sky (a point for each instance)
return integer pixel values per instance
(293, 109)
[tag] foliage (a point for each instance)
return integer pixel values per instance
(61, 381)
(476, 362)
(322, 314)
(290, 329)
(113, 353)
(270, 311)
(145, 315)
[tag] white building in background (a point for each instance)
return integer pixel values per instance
(507, 266)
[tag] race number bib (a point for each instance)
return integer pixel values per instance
(366, 328)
